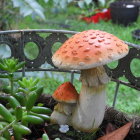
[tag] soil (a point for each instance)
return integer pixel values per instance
(113, 119)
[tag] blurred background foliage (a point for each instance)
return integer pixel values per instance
(14, 10)
(66, 14)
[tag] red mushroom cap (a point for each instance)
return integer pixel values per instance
(89, 49)
(66, 93)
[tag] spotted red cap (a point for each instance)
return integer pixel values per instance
(89, 49)
(66, 93)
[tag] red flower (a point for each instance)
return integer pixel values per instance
(87, 19)
(95, 19)
(103, 15)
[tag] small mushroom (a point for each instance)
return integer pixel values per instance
(67, 96)
(88, 51)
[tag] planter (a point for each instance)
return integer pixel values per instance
(136, 34)
(17, 40)
(123, 12)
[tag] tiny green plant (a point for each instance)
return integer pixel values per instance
(45, 137)
(20, 109)
(10, 66)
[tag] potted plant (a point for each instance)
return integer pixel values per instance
(101, 11)
(124, 12)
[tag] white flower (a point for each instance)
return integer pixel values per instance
(64, 128)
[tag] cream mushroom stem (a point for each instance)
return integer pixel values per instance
(62, 113)
(89, 112)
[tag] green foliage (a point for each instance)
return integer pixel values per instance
(7, 14)
(11, 65)
(45, 137)
(105, 3)
(34, 8)
(127, 99)
(20, 109)
(50, 84)
(28, 85)
(29, 7)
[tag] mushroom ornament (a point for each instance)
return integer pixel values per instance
(88, 51)
(67, 96)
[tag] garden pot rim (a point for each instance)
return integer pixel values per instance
(124, 4)
(136, 34)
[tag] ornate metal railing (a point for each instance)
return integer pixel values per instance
(45, 39)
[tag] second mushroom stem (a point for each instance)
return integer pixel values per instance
(89, 112)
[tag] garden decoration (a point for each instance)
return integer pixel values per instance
(67, 97)
(88, 51)
(118, 134)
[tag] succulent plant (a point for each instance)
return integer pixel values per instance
(20, 109)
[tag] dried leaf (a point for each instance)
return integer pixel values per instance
(118, 134)
(109, 128)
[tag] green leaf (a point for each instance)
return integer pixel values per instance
(6, 89)
(43, 116)
(33, 119)
(22, 84)
(6, 134)
(31, 99)
(3, 67)
(5, 113)
(18, 113)
(35, 82)
(21, 98)
(81, 4)
(14, 103)
(20, 65)
(45, 137)
(57, 139)
(39, 90)
(102, 2)
(41, 110)
(88, 2)
(4, 76)
(9, 64)
(4, 123)
(2, 138)
(21, 129)
(22, 90)
(29, 84)
(28, 7)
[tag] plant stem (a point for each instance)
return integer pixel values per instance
(12, 84)
(7, 127)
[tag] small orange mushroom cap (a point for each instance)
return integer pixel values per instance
(89, 49)
(66, 93)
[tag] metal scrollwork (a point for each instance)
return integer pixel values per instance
(124, 68)
(41, 44)
(12, 42)
(17, 41)
(50, 41)
(134, 53)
